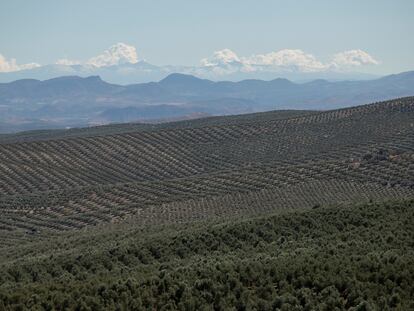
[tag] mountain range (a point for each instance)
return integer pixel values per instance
(142, 71)
(121, 64)
(73, 101)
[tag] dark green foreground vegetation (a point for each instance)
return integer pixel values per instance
(358, 257)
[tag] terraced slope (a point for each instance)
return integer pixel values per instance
(194, 171)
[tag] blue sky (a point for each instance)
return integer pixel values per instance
(184, 32)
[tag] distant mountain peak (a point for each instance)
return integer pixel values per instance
(282, 80)
(180, 78)
(72, 78)
(94, 78)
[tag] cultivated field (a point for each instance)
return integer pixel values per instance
(202, 169)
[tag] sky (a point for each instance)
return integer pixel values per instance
(184, 32)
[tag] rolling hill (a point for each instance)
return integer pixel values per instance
(289, 210)
(60, 183)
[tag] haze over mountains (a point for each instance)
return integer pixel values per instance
(121, 64)
(143, 71)
(74, 101)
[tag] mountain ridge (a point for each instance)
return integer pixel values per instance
(75, 101)
(143, 71)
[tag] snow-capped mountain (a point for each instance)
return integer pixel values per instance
(121, 64)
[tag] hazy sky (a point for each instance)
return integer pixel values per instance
(183, 32)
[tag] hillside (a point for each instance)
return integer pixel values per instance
(278, 210)
(335, 258)
(71, 182)
(78, 102)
